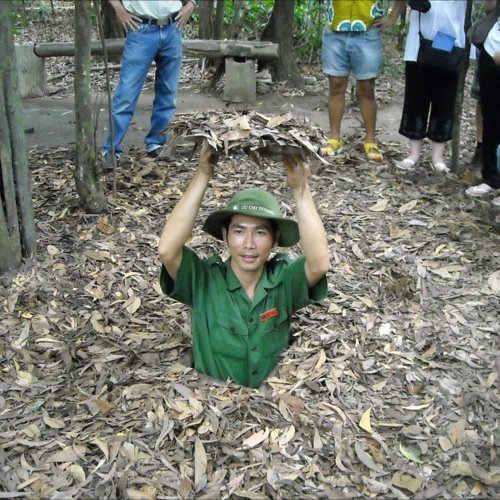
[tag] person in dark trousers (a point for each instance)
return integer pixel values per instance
(241, 308)
(153, 33)
(429, 102)
(489, 98)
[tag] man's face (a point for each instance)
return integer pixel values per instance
(250, 241)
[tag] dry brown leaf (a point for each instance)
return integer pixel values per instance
(366, 459)
(365, 422)
(53, 423)
(406, 207)
(68, 454)
(456, 432)
(406, 481)
(104, 227)
(445, 443)
(200, 465)
(25, 378)
(145, 492)
(494, 281)
(286, 436)
(184, 487)
(77, 472)
(317, 441)
(380, 206)
(255, 439)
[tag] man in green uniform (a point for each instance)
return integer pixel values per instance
(241, 308)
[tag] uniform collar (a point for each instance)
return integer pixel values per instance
(233, 283)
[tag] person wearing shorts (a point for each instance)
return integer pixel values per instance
(352, 42)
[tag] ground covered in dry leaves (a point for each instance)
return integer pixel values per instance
(389, 390)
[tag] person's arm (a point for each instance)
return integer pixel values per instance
(387, 21)
(180, 223)
(128, 21)
(312, 233)
(489, 5)
(185, 13)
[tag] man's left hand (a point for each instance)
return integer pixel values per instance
(184, 14)
(297, 170)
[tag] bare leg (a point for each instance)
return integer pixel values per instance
(412, 159)
(368, 107)
(336, 104)
(438, 152)
(415, 150)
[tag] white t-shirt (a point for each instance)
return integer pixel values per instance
(153, 9)
(447, 16)
(492, 42)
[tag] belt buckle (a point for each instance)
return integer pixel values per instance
(170, 19)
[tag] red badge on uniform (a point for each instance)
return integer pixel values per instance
(272, 313)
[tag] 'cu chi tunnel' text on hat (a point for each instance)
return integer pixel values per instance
(254, 203)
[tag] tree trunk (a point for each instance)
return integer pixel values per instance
(456, 165)
(205, 16)
(279, 29)
(17, 227)
(111, 26)
(219, 20)
(86, 176)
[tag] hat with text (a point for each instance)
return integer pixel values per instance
(254, 203)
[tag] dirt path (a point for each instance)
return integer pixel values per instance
(50, 120)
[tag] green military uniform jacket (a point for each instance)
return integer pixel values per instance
(234, 337)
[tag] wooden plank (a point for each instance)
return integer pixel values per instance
(200, 48)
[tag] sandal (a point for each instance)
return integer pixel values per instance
(406, 164)
(372, 152)
(440, 167)
(479, 190)
(333, 147)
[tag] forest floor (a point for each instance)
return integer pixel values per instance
(389, 390)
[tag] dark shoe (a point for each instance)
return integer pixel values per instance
(107, 161)
(477, 159)
(159, 153)
(154, 153)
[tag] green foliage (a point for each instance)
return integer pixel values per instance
(255, 13)
(308, 26)
(23, 13)
(309, 23)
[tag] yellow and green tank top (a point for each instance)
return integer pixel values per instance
(352, 15)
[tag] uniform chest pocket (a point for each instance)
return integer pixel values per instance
(229, 339)
(273, 334)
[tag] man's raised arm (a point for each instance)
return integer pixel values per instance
(180, 223)
(312, 233)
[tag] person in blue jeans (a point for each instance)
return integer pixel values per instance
(153, 33)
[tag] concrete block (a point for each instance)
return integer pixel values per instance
(31, 71)
(240, 85)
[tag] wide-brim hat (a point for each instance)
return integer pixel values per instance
(254, 203)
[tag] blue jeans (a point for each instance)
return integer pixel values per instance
(162, 44)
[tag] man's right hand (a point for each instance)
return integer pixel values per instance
(208, 159)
